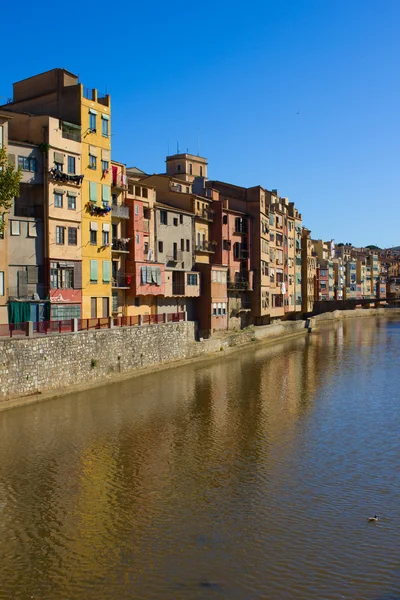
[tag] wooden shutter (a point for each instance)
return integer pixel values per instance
(78, 276)
(22, 284)
(32, 274)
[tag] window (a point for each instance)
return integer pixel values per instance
(106, 306)
(187, 245)
(192, 279)
(190, 169)
(58, 166)
(136, 209)
(104, 165)
(137, 238)
(71, 165)
(60, 235)
(137, 301)
(214, 308)
(104, 126)
(72, 236)
(27, 163)
(114, 199)
(71, 202)
(93, 237)
(163, 217)
(137, 191)
(146, 249)
(198, 205)
(201, 171)
(226, 244)
(92, 161)
(179, 187)
(105, 194)
(219, 309)
(179, 168)
(15, 228)
(181, 219)
(58, 200)
(92, 122)
(61, 278)
(145, 192)
(161, 247)
(94, 271)
(187, 189)
(175, 222)
(1, 283)
(223, 308)
(106, 238)
(182, 245)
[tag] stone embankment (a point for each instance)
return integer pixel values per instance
(31, 367)
(34, 369)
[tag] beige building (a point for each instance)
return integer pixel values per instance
(309, 271)
(4, 119)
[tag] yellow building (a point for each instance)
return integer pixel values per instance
(96, 200)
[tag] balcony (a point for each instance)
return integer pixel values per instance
(70, 131)
(119, 180)
(120, 211)
(57, 175)
(205, 214)
(175, 257)
(241, 254)
(242, 228)
(120, 245)
(206, 247)
(121, 281)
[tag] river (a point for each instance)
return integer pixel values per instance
(248, 476)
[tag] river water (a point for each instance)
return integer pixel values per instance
(248, 476)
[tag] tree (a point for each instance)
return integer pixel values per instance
(9, 184)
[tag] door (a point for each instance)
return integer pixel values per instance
(93, 308)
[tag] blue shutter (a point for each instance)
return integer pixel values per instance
(93, 191)
(94, 270)
(106, 271)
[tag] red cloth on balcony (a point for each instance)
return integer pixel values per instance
(114, 175)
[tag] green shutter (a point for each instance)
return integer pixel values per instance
(93, 191)
(106, 193)
(106, 271)
(94, 270)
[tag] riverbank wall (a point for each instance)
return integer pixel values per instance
(36, 369)
(30, 367)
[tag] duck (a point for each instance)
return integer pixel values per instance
(373, 519)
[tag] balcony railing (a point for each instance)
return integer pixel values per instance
(207, 215)
(57, 175)
(120, 245)
(119, 211)
(240, 228)
(121, 281)
(175, 257)
(206, 247)
(238, 285)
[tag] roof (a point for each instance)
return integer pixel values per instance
(135, 170)
(164, 205)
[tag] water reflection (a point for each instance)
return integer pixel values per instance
(246, 476)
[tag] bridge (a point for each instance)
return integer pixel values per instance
(323, 306)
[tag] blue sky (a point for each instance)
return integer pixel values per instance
(302, 96)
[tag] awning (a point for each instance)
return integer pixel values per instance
(106, 227)
(106, 117)
(94, 226)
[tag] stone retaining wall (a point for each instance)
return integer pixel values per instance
(29, 366)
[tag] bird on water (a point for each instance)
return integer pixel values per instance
(373, 519)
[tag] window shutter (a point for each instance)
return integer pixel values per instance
(32, 232)
(93, 270)
(11, 159)
(106, 271)
(22, 283)
(78, 276)
(93, 191)
(105, 155)
(33, 274)
(106, 193)
(93, 150)
(106, 117)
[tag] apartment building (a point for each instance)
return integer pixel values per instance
(119, 239)
(85, 114)
(309, 271)
(54, 197)
(4, 119)
(27, 292)
(145, 273)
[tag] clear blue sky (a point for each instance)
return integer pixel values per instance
(299, 95)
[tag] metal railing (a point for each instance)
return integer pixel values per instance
(238, 285)
(120, 245)
(75, 325)
(205, 247)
